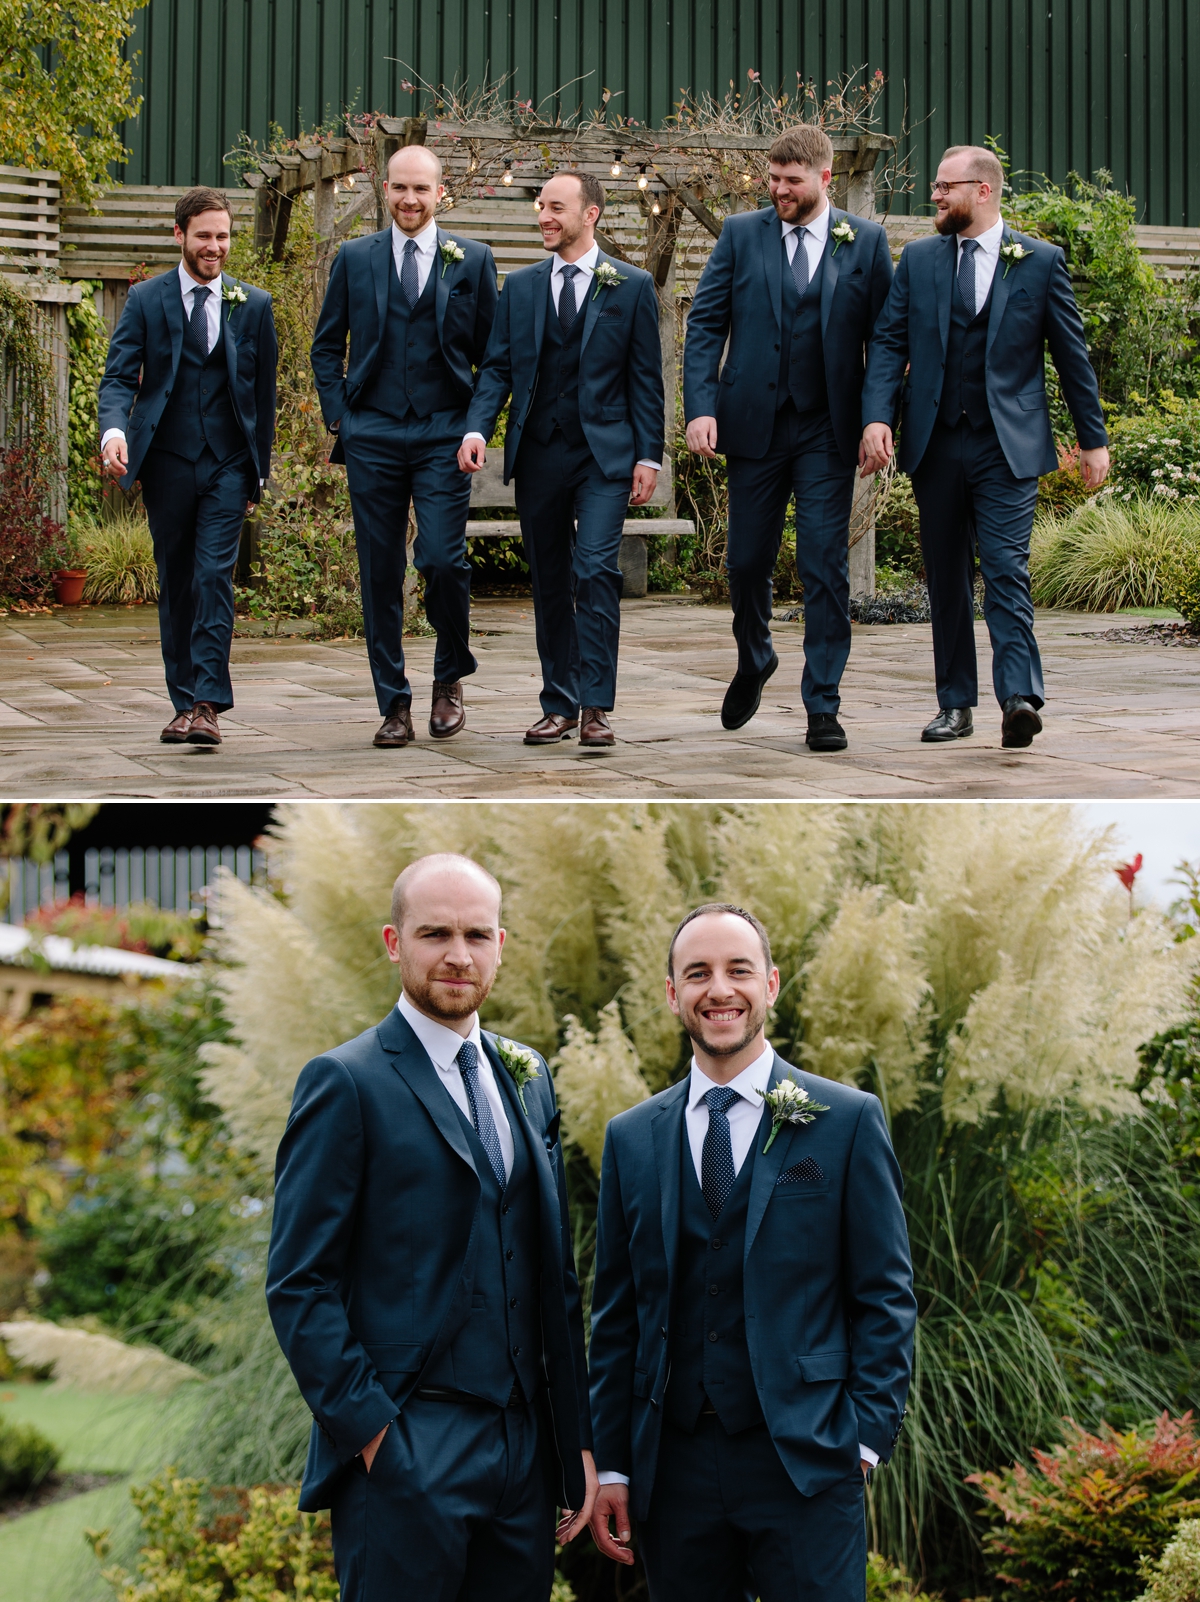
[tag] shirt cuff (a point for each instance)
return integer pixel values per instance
(657, 466)
(867, 1455)
(607, 1477)
(466, 437)
(112, 433)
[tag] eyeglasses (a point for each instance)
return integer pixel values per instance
(941, 187)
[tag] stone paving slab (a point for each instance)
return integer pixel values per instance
(82, 702)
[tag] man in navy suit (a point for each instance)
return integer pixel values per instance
(417, 305)
(795, 289)
(576, 346)
(187, 405)
(421, 1279)
(969, 315)
(753, 1312)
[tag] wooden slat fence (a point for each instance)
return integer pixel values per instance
(29, 219)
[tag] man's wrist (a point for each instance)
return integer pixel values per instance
(867, 1455)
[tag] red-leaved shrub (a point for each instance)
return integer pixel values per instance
(28, 538)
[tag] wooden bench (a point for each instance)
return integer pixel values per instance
(632, 558)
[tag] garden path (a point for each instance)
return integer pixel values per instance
(82, 701)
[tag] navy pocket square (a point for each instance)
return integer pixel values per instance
(612, 311)
(804, 1173)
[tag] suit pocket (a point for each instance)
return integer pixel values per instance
(612, 311)
(614, 414)
(641, 1382)
(807, 1172)
(728, 374)
(460, 292)
(396, 1359)
(1032, 400)
(792, 1192)
(818, 1367)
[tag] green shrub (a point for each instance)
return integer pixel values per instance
(889, 1582)
(1156, 452)
(1078, 1526)
(1062, 491)
(1175, 1577)
(1183, 587)
(898, 529)
(87, 344)
(26, 1458)
(1111, 554)
(118, 555)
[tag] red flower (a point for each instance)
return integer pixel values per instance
(1128, 872)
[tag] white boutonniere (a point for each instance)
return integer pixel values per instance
(234, 294)
(450, 252)
(607, 277)
(1011, 253)
(789, 1103)
(843, 234)
(521, 1065)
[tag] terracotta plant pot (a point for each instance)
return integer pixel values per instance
(68, 585)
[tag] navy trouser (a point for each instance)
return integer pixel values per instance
(456, 1508)
(726, 1524)
(802, 459)
(571, 522)
(970, 499)
(196, 511)
(388, 463)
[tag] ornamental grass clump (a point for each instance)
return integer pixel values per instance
(26, 1458)
(1112, 554)
(118, 556)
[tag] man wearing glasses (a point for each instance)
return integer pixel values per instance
(969, 315)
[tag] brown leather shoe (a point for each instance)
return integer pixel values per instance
(176, 731)
(204, 728)
(396, 729)
(550, 729)
(447, 714)
(594, 727)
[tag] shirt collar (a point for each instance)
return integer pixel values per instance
(586, 261)
(747, 1084)
(188, 283)
(426, 244)
(817, 226)
(442, 1044)
(989, 241)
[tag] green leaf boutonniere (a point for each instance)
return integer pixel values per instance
(1011, 253)
(520, 1063)
(789, 1103)
(450, 252)
(234, 294)
(843, 234)
(607, 277)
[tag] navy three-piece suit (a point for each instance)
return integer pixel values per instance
(738, 1363)
(408, 1290)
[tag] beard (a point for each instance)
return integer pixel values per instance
(953, 220)
(451, 1005)
(200, 269)
(694, 1025)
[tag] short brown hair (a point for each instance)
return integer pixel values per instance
(196, 201)
(984, 166)
(809, 145)
(591, 190)
(719, 906)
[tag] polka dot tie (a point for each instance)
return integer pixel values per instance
(716, 1164)
(481, 1113)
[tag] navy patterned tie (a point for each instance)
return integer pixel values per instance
(198, 321)
(716, 1163)
(566, 300)
(481, 1112)
(966, 275)
(800, 263)
(408, 273)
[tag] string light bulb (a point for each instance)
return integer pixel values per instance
(507, 178)
(642, 179)
(615, 169)
(655, 209)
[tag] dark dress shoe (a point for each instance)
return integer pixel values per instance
(203, 728)
(1021, 722)
(825, 733)
(594, 727)
(176, 732)
(744, 694)
(951, 723)
(550, 729)
(447, 714)
(396, 729)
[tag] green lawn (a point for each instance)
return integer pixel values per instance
(1149, 611)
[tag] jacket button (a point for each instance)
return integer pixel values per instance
(770, 386)
(715, 1244)
(504, 1209)
(777, 347)
(512, 1301)
(714, 1290)
(508, 1256)
(516, 1351)
(712, 1335)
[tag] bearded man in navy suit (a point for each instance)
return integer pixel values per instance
(969, 317)
(187, 406)
(794, 290)
(753, 1311)
(421, 1279)
(416, 304)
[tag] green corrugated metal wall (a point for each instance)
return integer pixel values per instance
(1062, 84)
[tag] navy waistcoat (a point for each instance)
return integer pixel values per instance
(708, 1353)
(200, 411)
(500, 1344)
(412, 375)
(802, 351)
(556, 398)
(964, 391)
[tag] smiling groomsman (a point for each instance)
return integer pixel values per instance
(753, 1311)
(417, 305)
(187, 406)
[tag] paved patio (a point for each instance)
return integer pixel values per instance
(82, 702)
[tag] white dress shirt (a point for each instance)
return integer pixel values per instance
(814, 239)
(745, 1118)
(426, 242)
(443, 1046)
(987, 259)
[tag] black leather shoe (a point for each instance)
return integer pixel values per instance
(825, 733)
(951, 723)
(744, 694)
(1021, 722)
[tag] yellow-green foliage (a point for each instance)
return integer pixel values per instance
(118, 555)
(1112, 554)
(1175, 1577)
(597, 1077)
(889, 1582)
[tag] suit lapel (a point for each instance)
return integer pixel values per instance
(999, 294)
(769, 1165)
(172, 304)
(382, 265)
(829, 282)
(226, 326)
(539, 285)
(411, 1062)
(595, 296)
(441, 288)
(772, 249)
(667, 1131)
(943, 288)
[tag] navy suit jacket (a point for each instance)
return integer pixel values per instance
(620, 367)
(740, 296)
(1032, 304)
(376, 1223)
(829, 1304)
(355, 304)
(143, 358)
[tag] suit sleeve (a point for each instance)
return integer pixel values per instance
(122, 368)
(571, 1294)
(707, 329)
(486, 297)
(267, 361)
(614, 1325)
(877, 1272)
(328, 352)
(494, 383)
(882, 274)
(1064, 331)
(887, 354)
(318, 1176)
(645, 380)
